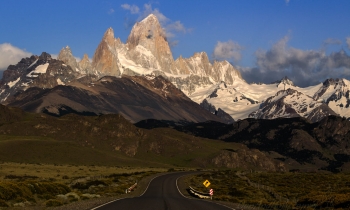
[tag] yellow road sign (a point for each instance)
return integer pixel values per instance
(206, 183)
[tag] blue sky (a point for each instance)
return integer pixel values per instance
(305, 40)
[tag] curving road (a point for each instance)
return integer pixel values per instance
(162, 193)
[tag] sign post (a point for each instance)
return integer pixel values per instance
(211, 192)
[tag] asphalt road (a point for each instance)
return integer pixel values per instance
(162, 193)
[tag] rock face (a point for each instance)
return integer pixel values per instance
(85, 65)
(148, 45)
(147, 51)
(207, 73)
(105, 60)
(67, 57)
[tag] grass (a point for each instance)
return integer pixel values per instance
(273, 190)
(47, 171)
(46, 185)
(102, 141)
(98, 140)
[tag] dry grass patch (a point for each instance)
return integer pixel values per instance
(277, 190)
(44, 185)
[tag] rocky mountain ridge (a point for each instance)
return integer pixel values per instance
(291, 103)
(146, 52)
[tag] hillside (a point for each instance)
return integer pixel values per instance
(113, 140)
(297, 142)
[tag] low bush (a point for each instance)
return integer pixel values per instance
(3, 203)
(53, 202)
(278, 190)
(86, 185)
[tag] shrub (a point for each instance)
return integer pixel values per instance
(9, 191)
(53, 202)
(46, 196)
(84, 186)
(3, 203)
(49, 188)
(73, 199)
(65, 177)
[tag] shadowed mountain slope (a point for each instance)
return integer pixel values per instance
(136, 98)
(296, 141)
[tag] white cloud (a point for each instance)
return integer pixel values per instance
(176, 26)
(149, 10)
(78, 59)
(348, 42)
(110, 11)
(10, 54)
(132, 8)
(332, 41)
(227, 51)
(287, 1)
(304, 67)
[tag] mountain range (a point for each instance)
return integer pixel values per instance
(141, 80)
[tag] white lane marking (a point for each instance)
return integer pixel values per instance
(126, 198)
(195, 198)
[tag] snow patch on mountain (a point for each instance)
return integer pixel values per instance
(59, 81)
(41, 69)
(33, 63)
(11, 84)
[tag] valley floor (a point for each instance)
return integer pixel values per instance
(44, 186)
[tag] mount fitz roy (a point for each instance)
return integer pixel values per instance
(141, 80)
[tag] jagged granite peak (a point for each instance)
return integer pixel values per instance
(182, 66)
(85, 65)
(292, 103)
(105, 60)
(199, 64)
(67, 57)
(109, 38)
(224, 71)
(148, 39)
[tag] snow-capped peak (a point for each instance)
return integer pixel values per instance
(291, 103)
